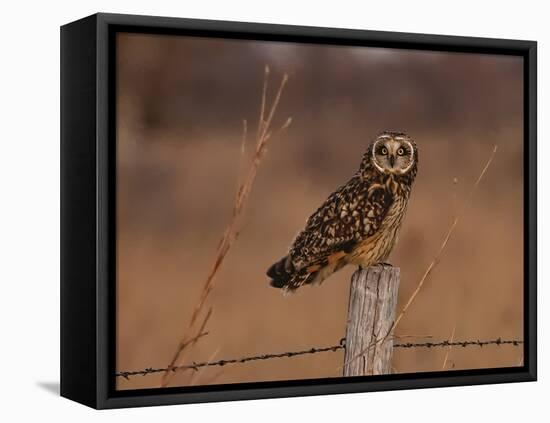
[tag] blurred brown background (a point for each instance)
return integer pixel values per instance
(181, 102)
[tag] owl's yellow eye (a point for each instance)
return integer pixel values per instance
(400, 152)
(384, 151)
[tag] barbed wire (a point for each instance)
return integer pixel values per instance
(446, 343)
(315, 350)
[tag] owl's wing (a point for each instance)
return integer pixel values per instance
(351, 214)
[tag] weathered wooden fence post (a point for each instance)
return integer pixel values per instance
(371, 312)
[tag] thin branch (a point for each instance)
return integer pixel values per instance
(449, 349)
(264, 95)
(242, 156)
(184, 343)
(437, 257)
(274, 106)
(197, 375)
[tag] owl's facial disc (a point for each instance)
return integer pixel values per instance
(393, 154)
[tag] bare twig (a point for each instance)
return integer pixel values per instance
(264, 96)
(242, 155)
(437, 257)
(184, 343)
(197, 375)
(233, 229)
(449, 349)
(267, 123)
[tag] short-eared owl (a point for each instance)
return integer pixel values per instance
(358, 224)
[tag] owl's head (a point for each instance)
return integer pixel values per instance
(392, 153)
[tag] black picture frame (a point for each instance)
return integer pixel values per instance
(88, 240)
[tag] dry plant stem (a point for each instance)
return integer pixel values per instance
(194, 339)
(184, 343)
(520, 361)
(195, 376)
(449, 349)
(436, 259)
(232, 231)
(262, 107)
(243, 154)
(243, 142)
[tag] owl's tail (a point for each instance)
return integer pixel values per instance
(284, 275)
(281, 272)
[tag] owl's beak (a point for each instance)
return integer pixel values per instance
(392, 160)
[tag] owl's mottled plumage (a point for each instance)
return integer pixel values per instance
(358, 223)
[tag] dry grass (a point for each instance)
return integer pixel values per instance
(446, 239)
(232, 231)
(446, 359)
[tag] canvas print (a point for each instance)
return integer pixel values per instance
(292, 211)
